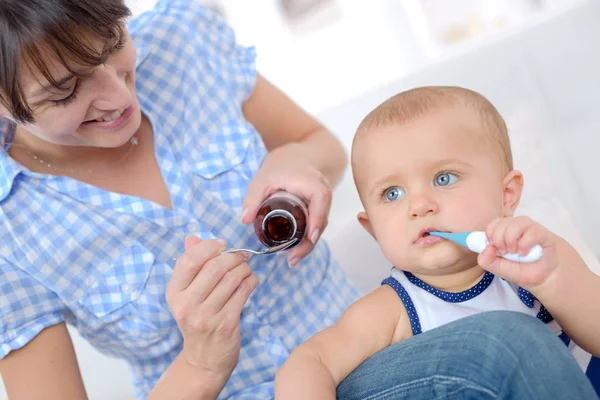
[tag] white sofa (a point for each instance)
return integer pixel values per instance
(546, 81)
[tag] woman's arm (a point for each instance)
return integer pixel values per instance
(206, 294)
(46, 368)
(183, 381)
(282, 123)
(304, 159)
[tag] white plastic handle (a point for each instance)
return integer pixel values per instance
(534, 255)
(477, 241)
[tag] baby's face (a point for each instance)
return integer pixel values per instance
(437, 172)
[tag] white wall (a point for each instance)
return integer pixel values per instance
(359, 45)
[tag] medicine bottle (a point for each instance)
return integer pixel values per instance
(281, 218)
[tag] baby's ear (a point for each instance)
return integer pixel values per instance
(513, 187)
(363, 218)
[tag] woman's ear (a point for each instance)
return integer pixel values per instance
(363, 218)
(512, 189)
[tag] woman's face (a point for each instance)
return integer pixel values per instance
(98, 110)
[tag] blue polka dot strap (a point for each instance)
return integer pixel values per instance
(415, 324)
(452, 297)
(529, 299)
(526, 297)
(544, 316)
(593, 373)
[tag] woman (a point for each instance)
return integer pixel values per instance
(119, 142)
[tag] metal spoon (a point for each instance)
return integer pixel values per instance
(270, 250)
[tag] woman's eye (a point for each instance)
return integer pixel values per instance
(70, 98)
(67, 100)
(393, 193)
(445, 179)
(120, 45)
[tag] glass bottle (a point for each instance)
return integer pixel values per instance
(281, 218)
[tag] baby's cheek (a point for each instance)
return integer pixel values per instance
(393, 250)
(475, 213)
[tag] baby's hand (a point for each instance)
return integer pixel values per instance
(519, 235)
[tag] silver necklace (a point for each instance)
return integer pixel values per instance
(133, 143)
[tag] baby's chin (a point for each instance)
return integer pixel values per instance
(438, 263)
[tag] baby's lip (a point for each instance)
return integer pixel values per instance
(425, 232)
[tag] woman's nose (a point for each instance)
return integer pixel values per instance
(112, 91)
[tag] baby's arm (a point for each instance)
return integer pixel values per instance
(561, 280)
(572, 296)
(314, 370)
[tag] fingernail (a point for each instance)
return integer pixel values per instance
(244, 212)
(315, 236)
(222, 242)
(293, 262)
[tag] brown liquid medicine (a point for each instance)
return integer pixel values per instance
(281, 218)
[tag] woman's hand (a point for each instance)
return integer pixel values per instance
(206, 295)
(304, 159)
(285, 169)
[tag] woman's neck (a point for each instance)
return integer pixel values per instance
(38, 154)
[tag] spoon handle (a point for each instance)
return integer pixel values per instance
(238, 250)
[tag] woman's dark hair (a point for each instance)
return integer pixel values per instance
(34, 32)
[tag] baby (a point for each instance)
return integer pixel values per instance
(439, 159)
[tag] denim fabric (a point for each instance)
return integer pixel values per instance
(492, 355)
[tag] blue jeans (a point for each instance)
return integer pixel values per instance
(498, 354)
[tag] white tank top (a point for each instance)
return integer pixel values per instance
(428, 307)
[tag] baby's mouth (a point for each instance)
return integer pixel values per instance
(424, 237)
(425, 232)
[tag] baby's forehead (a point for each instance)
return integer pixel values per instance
(425, 131)
(375, 155)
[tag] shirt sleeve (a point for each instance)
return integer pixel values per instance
(183, 28)
(26, 308)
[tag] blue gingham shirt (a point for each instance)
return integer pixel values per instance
(101, 261)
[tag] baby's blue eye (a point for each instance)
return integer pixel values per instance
(393, 193)
(445, 179)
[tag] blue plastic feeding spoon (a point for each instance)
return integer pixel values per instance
(477, 241)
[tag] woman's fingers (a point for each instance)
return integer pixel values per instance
(234, 306)
(299, 252)
(211, 274)
(318, 211)
(191, 262)
(225, 288)
(191, 241)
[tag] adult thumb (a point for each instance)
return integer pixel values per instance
(191, 241)
(251, 203)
